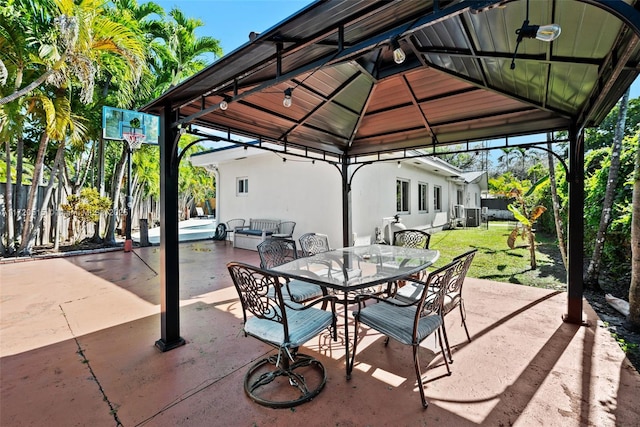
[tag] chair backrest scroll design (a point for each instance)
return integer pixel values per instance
(275, 252)
(314, 243)
(253, 285)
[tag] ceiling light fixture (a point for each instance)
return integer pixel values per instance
(398, 54)
(287, 97)
(546, 33)
(399, 164)
(224, 104)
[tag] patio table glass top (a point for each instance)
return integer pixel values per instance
(358, 267)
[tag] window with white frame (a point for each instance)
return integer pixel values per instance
(423, 201)
(402, 195)
(437, 198)
(242, 186)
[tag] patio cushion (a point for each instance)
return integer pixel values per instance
(412, 291)
(303, 325)
(303, 291)
(397, 322)
(254, 232)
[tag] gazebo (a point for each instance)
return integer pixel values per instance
(351, 83)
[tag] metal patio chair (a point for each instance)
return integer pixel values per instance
(409, 323)
(285, 230)
(314, 243)
(410, 238)
(288, 378)
(453, 293)
(232, 224)
(274, 252)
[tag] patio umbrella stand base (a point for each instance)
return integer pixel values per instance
(287, 384)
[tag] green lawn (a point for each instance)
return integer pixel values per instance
(496, 261)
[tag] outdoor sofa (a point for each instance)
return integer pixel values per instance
(250, 236)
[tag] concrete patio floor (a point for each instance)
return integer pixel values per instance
(77, 349)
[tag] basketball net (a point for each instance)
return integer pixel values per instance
(133, 139)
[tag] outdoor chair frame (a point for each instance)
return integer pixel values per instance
(453, 293)
(409, 323)
(411, 238)
(277, 251)
(232, 224)
(314, 243)
(285, 325)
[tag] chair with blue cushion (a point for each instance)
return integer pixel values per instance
(288, 378)
(452, 295)
(276, 251)
(412, 322)
(314, 243)
(410, 238)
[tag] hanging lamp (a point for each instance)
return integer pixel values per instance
(546, 33)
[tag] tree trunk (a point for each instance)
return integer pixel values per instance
(58, 216)
(19, 191)
(116, 184)
(97, 232)
(593, 272)
(532, 249)
(8, 204)
(556, 205)
(25, 90)
(633, 320)
(33, 192)
(31, 237)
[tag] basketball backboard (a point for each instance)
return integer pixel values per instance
(116, 121)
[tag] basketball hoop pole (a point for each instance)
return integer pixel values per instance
(133, 140)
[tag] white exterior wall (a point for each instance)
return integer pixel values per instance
(296, 190)
(374, 198)
(311, 195)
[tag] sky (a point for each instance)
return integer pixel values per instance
(231, 21)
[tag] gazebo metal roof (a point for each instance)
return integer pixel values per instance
(352, 104)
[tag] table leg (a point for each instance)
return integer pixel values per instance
(346, 335)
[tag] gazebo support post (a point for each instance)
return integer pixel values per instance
(575, 279)
(347, 228)
(169, 249)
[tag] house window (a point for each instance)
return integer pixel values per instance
(437, 198)
(460, 197)
(423, 191)
(242, 186)
(402, 196)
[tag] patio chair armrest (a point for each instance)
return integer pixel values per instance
(360, 299)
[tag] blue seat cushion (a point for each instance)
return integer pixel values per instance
(254, 232)
(397, 322)
(303, 291)
(303, 325)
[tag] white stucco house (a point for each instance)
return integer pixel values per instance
(254, 183)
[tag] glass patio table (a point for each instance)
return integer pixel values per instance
(355, 270)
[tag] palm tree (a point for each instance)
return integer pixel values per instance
(83, 33)
(633, 320)
(182, 52)
(593, 271)
(82, 41)
(61, 124)
(505, 159)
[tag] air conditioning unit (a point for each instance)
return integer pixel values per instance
(473, 217)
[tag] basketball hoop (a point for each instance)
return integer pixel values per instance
(133, 139)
